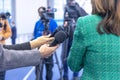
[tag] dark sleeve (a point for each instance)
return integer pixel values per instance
(22, 46)
(80, 10)
(66, 17)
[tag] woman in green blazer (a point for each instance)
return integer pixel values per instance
(96, 43)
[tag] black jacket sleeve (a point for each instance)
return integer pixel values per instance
(22, 46)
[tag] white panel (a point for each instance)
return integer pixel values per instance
(86, 5)
(27, 15)
(59, 4)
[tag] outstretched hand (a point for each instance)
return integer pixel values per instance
(40, 41)
(46, 51)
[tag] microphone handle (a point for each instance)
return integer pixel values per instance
(54, 43)
(52, 35)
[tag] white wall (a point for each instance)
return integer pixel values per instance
(86, 5)
(27, 15)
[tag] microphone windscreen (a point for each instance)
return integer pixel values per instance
(60, 36)
(57, 30)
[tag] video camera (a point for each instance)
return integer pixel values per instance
(48, 14)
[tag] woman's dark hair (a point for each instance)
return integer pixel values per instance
(3, 16)
(110, 11)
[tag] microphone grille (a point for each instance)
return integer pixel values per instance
(60, 36)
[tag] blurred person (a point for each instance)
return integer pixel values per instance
(45, 25)
(8, 16)
(5, 33)
(72, 12)
(12, 26)
(96, 43)
(14, 32)
(71, 7)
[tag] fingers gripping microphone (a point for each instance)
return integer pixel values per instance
(59, 38)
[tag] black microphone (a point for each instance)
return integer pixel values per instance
(57, 30)
(59, 38)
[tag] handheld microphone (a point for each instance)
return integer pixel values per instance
(57, 30)
(59, 38)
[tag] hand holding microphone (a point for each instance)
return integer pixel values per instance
(47, 50)
(40, 41)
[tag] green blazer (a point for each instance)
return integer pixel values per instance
(98, 55)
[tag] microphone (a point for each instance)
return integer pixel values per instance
(59, 38)
(57, 30)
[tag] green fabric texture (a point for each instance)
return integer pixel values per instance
(98, 55)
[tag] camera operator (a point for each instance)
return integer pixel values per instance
(44, 26)
(71, 14)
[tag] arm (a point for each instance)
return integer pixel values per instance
(22, 46)
(77, 51)
(31, 44)
(10, 59)
(80, 10)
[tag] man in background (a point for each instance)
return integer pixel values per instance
(44, 26)
(14, 32)
(72, 12)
